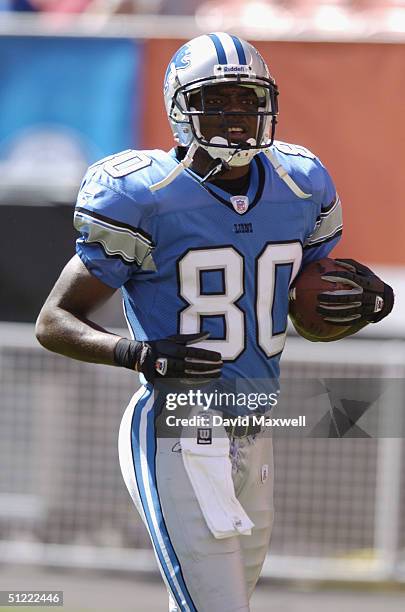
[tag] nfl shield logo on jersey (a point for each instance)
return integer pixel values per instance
(240, 203)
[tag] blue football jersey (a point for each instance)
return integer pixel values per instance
(191, 257)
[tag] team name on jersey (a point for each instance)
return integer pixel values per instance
(243, 228)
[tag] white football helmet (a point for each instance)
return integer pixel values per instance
(213, 59)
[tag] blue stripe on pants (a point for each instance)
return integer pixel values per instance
(144, 457)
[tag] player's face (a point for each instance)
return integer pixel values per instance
(228, 98)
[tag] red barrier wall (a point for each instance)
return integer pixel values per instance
(346, 103)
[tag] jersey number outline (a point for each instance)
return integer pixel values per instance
(231, 264)
(124, 163)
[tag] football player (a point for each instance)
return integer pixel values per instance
(204, 242)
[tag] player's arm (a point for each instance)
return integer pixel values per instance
(63, 325)
(367, 298)
(111, 249)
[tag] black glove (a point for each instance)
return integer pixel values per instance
(369, 300)
(171, 357)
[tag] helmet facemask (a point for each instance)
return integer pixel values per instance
(192, 105)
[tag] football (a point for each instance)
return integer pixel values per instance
(303, 301)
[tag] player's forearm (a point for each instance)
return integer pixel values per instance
(63, 332)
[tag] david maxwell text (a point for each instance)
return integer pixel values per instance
(216, 420)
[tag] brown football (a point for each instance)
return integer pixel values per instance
(303, 301)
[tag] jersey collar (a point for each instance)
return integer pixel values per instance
(254, 193)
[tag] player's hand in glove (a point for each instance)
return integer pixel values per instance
(172, 357)
(368, 300)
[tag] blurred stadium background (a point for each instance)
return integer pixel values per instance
(80, 79)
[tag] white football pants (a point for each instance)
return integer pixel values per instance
(202, 573)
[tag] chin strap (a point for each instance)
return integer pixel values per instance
(283, 174)
(224, 165)
(220, 166)
(185, 163)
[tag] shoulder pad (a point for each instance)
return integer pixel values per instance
(301, 170)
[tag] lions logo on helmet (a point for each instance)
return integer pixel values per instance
(181, 60)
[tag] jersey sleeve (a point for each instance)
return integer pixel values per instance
(328, 226)
(112, 243)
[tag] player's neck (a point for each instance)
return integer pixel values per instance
(202, 164)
